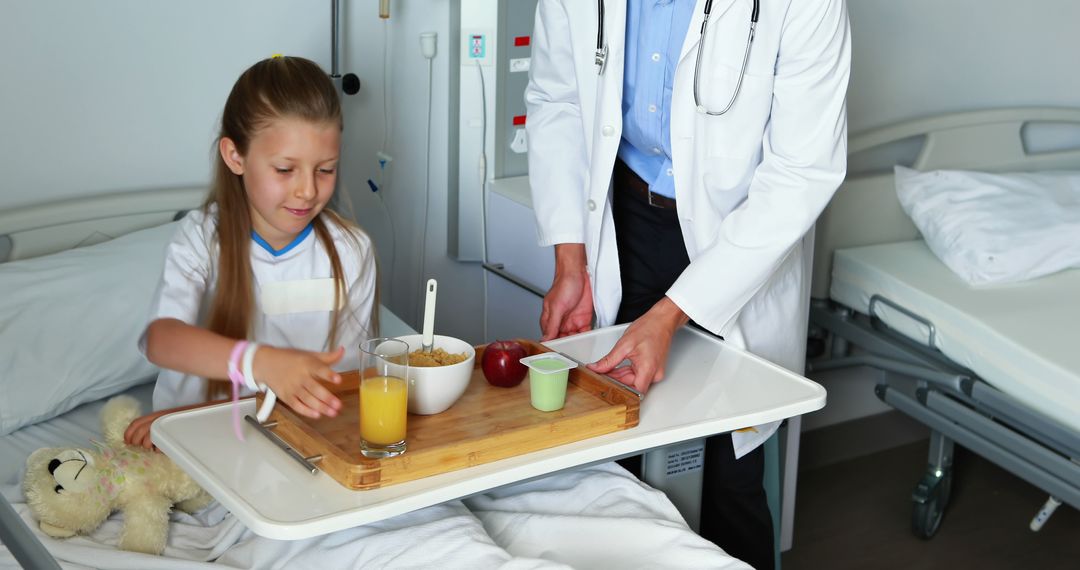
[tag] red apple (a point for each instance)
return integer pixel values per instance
(501, 363)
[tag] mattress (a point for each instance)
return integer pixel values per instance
(1021, 337)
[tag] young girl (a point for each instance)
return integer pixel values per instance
(263, 259)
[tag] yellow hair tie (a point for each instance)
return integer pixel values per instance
(276, 56)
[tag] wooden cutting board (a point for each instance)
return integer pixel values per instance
(486, 424)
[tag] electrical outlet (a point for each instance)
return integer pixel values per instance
(520, 64)
(520, 144)
(477, 46)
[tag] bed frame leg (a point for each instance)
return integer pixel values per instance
(840, 347)
(931, 494)
(940, 457)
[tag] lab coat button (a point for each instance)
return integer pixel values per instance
(608, 130)
(592, 206)
(656, 57)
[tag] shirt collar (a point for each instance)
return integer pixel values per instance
(279, 252)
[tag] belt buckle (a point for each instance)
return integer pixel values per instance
(648, 197)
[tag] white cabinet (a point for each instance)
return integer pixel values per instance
(512, 312)
(518, 271)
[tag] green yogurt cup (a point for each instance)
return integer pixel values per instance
(548, 374)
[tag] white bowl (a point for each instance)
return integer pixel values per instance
(433, 389)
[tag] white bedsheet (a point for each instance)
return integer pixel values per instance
(1021, 337)
(599, 516)
(443, 536)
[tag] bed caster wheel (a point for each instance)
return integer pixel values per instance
(929, 499)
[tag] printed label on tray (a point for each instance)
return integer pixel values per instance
(686, 459)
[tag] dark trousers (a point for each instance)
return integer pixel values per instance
(734, 512)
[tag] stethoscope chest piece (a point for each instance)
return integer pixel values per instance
(601, 59)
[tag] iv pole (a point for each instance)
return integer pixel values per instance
(350, 83)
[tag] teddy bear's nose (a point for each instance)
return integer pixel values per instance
(53, 465)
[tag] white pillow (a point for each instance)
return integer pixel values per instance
(995, 228)
(69, 324)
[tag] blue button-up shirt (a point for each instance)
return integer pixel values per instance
(655, 30)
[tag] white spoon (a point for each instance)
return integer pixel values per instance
(429, 316)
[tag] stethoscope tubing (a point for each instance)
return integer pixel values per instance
(742, 71)
(601, 53)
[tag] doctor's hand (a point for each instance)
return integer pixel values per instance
(297, 376)
(645, 343)
(568, 306)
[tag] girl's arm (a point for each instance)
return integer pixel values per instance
(176, 345)
(296, 376)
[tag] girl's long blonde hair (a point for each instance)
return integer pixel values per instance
(275, 88)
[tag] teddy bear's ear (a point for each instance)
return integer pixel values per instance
(55, 531)
(42, 456)
(116, 416)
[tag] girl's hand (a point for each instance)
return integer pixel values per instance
(296, 377)
(138, 432)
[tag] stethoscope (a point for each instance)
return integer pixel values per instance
(602, 53)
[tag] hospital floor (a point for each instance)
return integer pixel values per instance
(856, 513)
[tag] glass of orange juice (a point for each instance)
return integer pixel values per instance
(384, 397)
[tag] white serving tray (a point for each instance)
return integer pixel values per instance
(710, 387)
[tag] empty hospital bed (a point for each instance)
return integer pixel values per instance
(994, 369)
(69, 318)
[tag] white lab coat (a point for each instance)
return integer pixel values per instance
(749, 184)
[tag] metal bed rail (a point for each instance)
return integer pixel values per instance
(1009, 410)
(1017, 460)
(20, 540)
(888, 350)
(1053, 464)
(957, 405)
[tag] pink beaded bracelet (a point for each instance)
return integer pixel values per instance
(237, 378)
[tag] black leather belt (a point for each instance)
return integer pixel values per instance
(626, 179)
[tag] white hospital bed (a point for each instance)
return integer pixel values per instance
(995, 369)
(584, 517)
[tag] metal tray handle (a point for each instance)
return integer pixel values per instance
(307, 462)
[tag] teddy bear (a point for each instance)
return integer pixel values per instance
(72, 491)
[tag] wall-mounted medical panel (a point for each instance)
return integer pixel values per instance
(494, 54)
(512, 76)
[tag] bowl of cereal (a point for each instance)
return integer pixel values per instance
(437, 378)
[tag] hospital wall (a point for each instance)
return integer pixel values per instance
(118, 95)
(121, 95)
(918, 58)
(910, 59)
(391, 116)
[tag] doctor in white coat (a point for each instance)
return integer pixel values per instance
(747, 183)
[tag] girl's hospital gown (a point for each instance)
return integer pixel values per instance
(294, 295)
